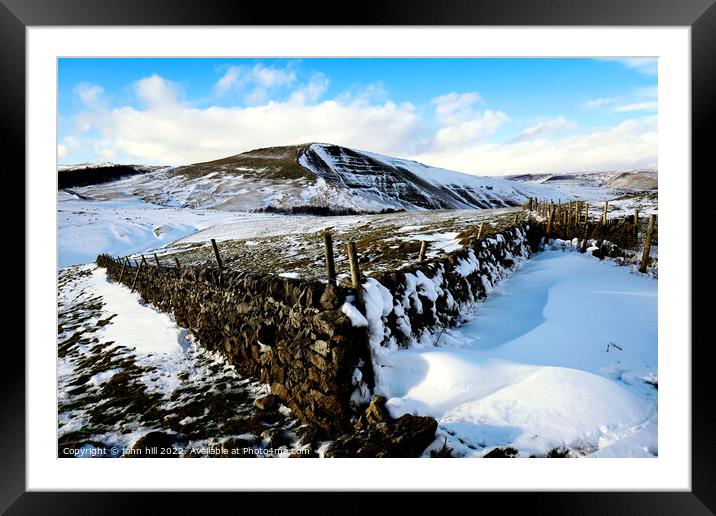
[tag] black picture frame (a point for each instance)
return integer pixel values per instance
(700, 15)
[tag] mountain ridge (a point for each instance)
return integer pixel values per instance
(322, 178)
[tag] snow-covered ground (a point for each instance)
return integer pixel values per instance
(126, 369)
(563, 355)
(623, 206)
(87, 228)
(293, 244)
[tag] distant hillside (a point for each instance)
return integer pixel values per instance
(324, 178)
(84, 175)
(623, 180)
(321, 179)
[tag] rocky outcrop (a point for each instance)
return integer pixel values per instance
(376, 434)
(407, 436)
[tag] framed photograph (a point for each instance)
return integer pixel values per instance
(428, 234)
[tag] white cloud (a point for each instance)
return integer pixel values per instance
(90, 147)
(171, 132)
(374, 92)
(254, 82)
(461, 124)
(640, 99)
(631, 144)
(598, 102)
(227, 81)
(106, 154)
(166, 130)
(89, 94)
(468, 132)
(645, 65)
(272, 77)
(455, 107)
(311, 92)
(545, 128)
(637, 106)
(156, 92)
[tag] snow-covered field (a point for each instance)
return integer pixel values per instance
(623, 206)
(293, 244)
(126, 369)
(562, 358)
(87, 228)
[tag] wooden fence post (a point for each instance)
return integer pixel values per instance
(176, 261)
(559, 211)
(517, 218)
(121, 273)
(216, 254)
(636, 223)
(577, 213)
(156, 259)
(328, 253)
(586, 212)
(479, 232)
(136, 274)
(360, 305)
(647, 244)
(144, 261)
(423, 250)
(218, 262)
(606, 207)
(355, 275)
(548, 232)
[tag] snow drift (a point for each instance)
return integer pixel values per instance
(561, 356)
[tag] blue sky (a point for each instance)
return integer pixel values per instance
(484, 116)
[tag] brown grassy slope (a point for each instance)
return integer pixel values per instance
(269, 163)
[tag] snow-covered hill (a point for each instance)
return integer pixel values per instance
(617, 180)
(333, 178)
(400, 183)
(81, 166)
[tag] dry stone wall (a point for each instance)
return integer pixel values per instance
(440, 293)
(293, 334)
(290, 334)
